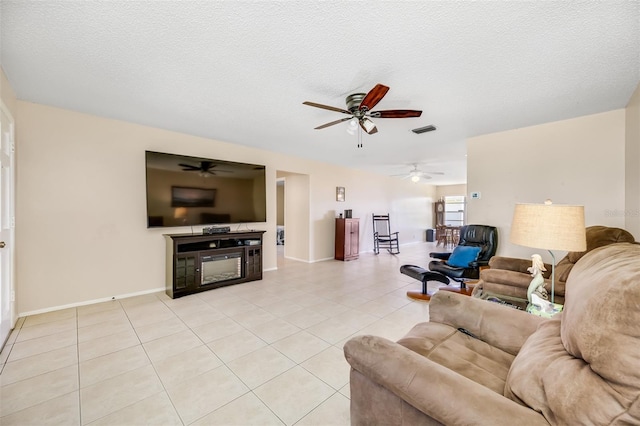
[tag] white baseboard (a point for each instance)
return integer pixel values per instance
(308, 261)
(322, 260)
(90, 302)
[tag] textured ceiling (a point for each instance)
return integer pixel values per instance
(239, 71)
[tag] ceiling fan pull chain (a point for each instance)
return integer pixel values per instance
(359, 137)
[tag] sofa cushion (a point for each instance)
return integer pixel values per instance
(581, 366)
(462, 256)
(467, 356)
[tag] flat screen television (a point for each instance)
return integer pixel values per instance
(187, 191)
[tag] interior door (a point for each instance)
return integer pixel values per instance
(7, 220)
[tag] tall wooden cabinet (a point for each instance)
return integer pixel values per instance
(347, 239)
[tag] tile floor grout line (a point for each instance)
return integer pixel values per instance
(155, 370)
(223, 363)
(311, 411)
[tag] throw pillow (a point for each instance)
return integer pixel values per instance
(463, 255)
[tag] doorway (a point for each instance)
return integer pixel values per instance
(7, 222)
(280, 229)
(296, 215)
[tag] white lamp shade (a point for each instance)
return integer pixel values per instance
(549, 226)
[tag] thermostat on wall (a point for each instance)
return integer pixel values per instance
(475, 195)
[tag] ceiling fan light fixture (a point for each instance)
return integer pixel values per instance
(368, 126)
(353, 126)
(416, 175)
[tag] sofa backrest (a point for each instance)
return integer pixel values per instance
(582, 366)
(597, 236)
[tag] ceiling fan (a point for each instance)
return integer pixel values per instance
(359, 106)
(204, 168)
(416, 174)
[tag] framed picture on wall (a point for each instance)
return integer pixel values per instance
(339, 193)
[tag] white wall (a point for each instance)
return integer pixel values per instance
(81, 220)
(451, 190)
(632, 166)
(577, 161)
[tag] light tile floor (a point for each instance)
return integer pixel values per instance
(259, 353)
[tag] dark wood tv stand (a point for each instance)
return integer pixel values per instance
(200, 262)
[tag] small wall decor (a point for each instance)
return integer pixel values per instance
(339, 193)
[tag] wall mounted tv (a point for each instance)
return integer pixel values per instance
(187, 191)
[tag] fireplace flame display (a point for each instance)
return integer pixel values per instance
(221, 268)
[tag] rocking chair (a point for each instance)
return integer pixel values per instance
(382, 235)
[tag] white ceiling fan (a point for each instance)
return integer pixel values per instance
(416, 174)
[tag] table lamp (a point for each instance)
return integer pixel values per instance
(549, 226)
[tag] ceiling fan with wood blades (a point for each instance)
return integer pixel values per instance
(359, 108)
(205, 168)
(416, 174)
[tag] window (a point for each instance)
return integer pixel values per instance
(454, 208)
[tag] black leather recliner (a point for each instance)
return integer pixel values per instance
(483, 236)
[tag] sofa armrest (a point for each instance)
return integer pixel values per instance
(514, 264)
(440, 255)
(500, 326)
(478, 263)
(437, 391)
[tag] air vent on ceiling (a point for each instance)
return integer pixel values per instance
(425, 129)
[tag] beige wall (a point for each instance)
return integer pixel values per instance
(632, 165)
(81, 209)
(577, 161)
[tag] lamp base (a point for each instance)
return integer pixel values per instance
(535, 310)
(553, 275)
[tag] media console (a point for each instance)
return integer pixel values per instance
(198, 263)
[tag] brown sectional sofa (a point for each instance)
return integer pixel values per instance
(507, 278)
(480, 363)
